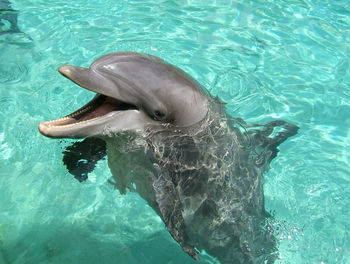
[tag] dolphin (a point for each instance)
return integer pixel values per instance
(173, 143)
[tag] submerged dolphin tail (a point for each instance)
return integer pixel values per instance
(266, 140)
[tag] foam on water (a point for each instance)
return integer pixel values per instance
(285, 59)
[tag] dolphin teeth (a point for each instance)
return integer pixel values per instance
(60, 119)
(70, 116)
(98, 107)
(80, 111)
(77, 123)
(70, 120)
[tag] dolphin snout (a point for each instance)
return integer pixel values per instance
(66, 70)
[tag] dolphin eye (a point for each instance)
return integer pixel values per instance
(158, 115)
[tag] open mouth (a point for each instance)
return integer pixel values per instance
(100, 106)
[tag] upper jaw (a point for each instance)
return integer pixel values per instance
(91, 80)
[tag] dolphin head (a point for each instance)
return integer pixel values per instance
(133, 91)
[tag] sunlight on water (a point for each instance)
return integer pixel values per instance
(285, 59)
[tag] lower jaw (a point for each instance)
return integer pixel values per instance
(99, 106)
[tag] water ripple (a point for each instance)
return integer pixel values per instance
(11, 72)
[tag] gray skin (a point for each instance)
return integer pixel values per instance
(140, 80)
(198, 168)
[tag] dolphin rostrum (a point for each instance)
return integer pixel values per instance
(169, 140)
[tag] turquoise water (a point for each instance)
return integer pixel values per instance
(267, 59)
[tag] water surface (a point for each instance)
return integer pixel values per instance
(266, 59)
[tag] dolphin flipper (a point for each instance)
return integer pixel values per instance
(170, 208)
(289, 130)
(266, 140)
(81, 157)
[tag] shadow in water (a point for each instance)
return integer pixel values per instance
(8, 18)
(81, 157)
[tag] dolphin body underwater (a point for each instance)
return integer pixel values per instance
(170, 141)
